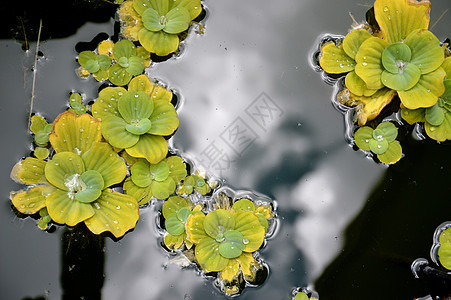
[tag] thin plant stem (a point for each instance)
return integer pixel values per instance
(34, 73)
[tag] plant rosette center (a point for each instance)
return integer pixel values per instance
(86, 187)
(399, 73)
(139, 127)
(174, 21)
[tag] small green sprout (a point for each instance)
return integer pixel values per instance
(76, 105)
(127, 63)
(96, 64)
(155, 180)
(41, 130)
(192, 182)
(381, 141)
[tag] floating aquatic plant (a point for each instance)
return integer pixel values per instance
(194, 182)
(73, 186)
(158, 23)
(92, 63)
(381, 141)
(76, 105)
(444, 252)
(128, 63)
(176, 211)
(135, 121)
(155, 180)
(222, 235)
(394, 55)
(437, 118)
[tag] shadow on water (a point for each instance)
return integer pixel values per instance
(20, 19)
(394, 228)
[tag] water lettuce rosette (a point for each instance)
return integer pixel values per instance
(155, 180)
(74, 184)
(381, 141)
(134, 121)
(437, 118)
(127, 63)
(157, 23)
(402, 58)
(222, 236)
(176, 211)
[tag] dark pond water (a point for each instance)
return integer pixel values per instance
(348, 227)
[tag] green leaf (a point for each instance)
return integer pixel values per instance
(41, 153)
(88, 60)
(29, 171)
(103, 61)
(160, 42)
(94, 186)
(388, 131)
(174, 242)
(114, 131)
(427, 54)
(443, 131)
(66, 210)
(244, 204)
(173, 205)
(106, 103)
(151, 147)
(301, 296)
(233, 245)
(151, 20)
(397, 19)
(103, 159)
(445, 236)
(135, 106)
(136, 66)
(163, 189)
(251, 229)
(357, 86)
(30, 201)
(195, 231)
(426, 92)
(123, 48)
(378, 146)
(435, 115)
(194, 7)
(118, 75)
(142, 195)
(334, 59)
(177, 168)
(353, 41)
(74, 133)
(38, 124)
(62, 167)
(404, 80)
(444, 254)
(173, 225)
(392, 155)
(413, 116)
(394, 55)
(159, 171)
(369, 62)
(218, 222)
(164, 118)
(178, 20)
(114, 212)
(363, 136)
(161, 6)
(141, 5)
(208, 256)
(139, 127)
(141, 173)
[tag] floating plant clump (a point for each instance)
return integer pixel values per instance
(97, 164)
(438, 277)
(221, 241)
(158, 25)
(393, 57)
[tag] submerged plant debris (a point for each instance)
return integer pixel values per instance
(392, 56)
